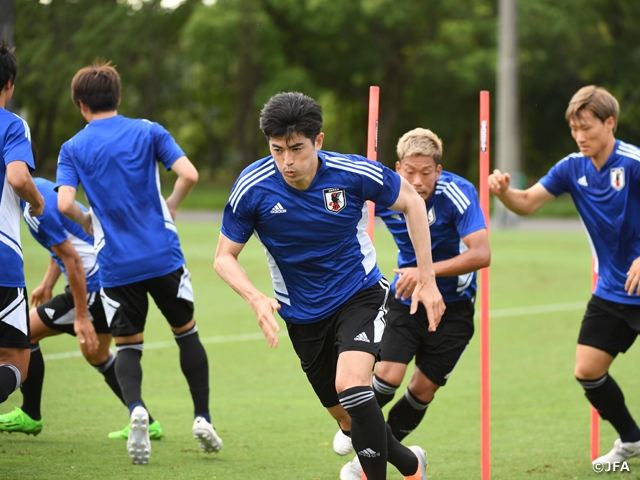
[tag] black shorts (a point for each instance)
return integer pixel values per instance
(609, 326)
(126, 306)
(436, 353)
(357, 326)
(14, 318)
(59, 313)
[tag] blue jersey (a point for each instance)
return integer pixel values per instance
(454, 212)
(15, 145)
(608, 201)
(116, 161)
(52, 228)
(315, 240)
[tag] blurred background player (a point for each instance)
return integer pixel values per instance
(603, 180)
(77, 311)
(308, 209)
(116, 161)
(15, 184)
(459, 247)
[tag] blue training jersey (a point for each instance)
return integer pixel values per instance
(116, 161)
(15, 145)
(608, 201)
(52, 228)
(454, 212)
(317, 248)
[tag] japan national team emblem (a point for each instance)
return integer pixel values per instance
(617, 178)
(334, 199)
(431, 215)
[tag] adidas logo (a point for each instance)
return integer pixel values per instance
(50, 312)
(367, 452)
(278, 209)
(583, 181)
(362, 337)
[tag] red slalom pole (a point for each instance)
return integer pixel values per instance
(595, 416)
(372, 147)
(485, 396)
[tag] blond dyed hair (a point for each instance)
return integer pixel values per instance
(595, 99)
(420, 141)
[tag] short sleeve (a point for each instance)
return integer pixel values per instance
(167, 150)
(467, 212)
(237, 221)
(17, 145)
(555, 180)
(50, 230)
(66, 173)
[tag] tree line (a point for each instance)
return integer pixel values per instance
(204, 71)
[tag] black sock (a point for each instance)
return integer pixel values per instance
(129, 373)
(32, 386)
(406, 414)
(195, 367)
(605, 395)
(384, 391)
(400, 456)
(108, 371)
(10, 380)
(368, 430)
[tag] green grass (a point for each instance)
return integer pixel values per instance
(273, 426)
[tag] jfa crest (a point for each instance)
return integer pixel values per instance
(334, 199)
(431, 215)
(617, 178)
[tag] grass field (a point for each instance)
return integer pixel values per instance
(272, 425)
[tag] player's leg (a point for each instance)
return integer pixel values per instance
(608, 329)
(14, 340)
(173, 294)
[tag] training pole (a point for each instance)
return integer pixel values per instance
(372, 147)
(485, 396)
(595, 416)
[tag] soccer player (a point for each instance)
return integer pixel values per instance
(15, 184)
(459, 247)
(603, 180)
(308, 209)
(116, 160)
(77, 311)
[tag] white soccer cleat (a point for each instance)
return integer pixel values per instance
(352, 470)
(422, 462)
(620, 453)
(342, 444)
(138, 444)
(204, 432)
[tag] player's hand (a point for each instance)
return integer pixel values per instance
(499, 182)
(407, 282)
(264, 309)
(87, 223)
(632, 285)
(430, 297)
(40, 295)
(86, 335)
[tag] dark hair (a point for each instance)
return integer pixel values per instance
(97, 86)
(286, 114)
(8, 64)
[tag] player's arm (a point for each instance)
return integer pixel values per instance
(187, 178)
(426, 290)
(70, 209)
(226, 265)
(78, 285)
(522, 202)
(43, 292)
(20, 179)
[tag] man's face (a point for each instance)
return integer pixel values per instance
(421, 172)
(296, 159)
(590, 133)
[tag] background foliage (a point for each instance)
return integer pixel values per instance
(204, 71)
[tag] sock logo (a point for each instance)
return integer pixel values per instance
(50, 312)
(362, 337)
(367, 452)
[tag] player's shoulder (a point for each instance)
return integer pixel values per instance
(355, 164)
(252, 178)
(12, 121)
(628, 151)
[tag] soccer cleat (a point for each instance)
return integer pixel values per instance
(155, 432)
(138, 444)
(18, 421)
(352, 470)
(342, 443)
(421, 474)
(620, 453)
(204, 432)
